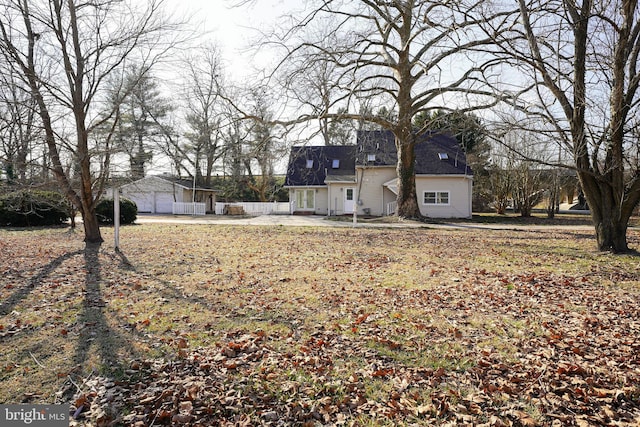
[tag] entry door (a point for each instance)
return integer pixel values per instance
(349, 199)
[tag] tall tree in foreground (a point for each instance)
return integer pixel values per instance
(64, 50)
(408, 56)
(583, 57)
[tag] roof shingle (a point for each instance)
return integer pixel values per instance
(374, 148)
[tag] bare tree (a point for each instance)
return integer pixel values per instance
(261, 145)
(64, 50)
(234, 137)
(315, 89)
(19, 127)
(204, 82)
(501, 180)
(408, 56)
(583, 58)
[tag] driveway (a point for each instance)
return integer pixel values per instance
(322, 221)
(288, 220)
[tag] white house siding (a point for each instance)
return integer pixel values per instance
(459, 188)
(322, 207)
(372, 194)
(164, 202)
(336, 197)
(320, 200)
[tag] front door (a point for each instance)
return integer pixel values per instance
(349, 200)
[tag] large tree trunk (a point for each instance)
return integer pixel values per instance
(405, 168)
(89, 218)
(611, 235)
(91, 227)
(609, 215)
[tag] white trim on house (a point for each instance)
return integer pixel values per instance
(376, 184)
(392, 185)
(437, 197)
(349, 204)
(302, 200)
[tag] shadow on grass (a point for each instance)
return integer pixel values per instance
(125, 264)
(96, 329)
(98, 345)
(7, 306)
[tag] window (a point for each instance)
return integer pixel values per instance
(349, 195)
(309, 163)
(436, 198)
(443, 156)
(335, 163)
(371, 157)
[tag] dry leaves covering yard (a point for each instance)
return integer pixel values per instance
(230, 325)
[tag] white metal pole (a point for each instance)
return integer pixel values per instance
(116, 217)
(193, 191)
(355, 202)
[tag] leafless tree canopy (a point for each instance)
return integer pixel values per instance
(64, 51)
(582, 59)
(407, 56)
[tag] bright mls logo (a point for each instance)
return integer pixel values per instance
(34, 415)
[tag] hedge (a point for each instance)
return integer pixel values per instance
(27, 208)
(128, 211)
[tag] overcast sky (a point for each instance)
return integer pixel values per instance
(232, 28)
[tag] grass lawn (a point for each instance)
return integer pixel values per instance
(231, 325)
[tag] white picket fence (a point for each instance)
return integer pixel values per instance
(257, 208)
(189, 208)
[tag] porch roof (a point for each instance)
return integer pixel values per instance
(340, 179)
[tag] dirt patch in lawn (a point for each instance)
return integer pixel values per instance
(229, 325)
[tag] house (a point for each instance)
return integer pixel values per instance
(157, 194)
(336, 180)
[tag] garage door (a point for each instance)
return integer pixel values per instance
(164, 203)
(144, 201)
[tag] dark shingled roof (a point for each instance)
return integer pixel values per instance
(427, 150)
(321, 161)
(378, 143)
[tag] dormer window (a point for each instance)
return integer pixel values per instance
(309, 163)
(443, 156)
(335, 164)
(371, 157)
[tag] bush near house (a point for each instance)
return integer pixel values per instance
(25, 208)
(128, 211)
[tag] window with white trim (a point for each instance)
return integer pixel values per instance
(436, 198)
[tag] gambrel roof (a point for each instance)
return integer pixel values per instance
(436, 154)
(313, 165)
